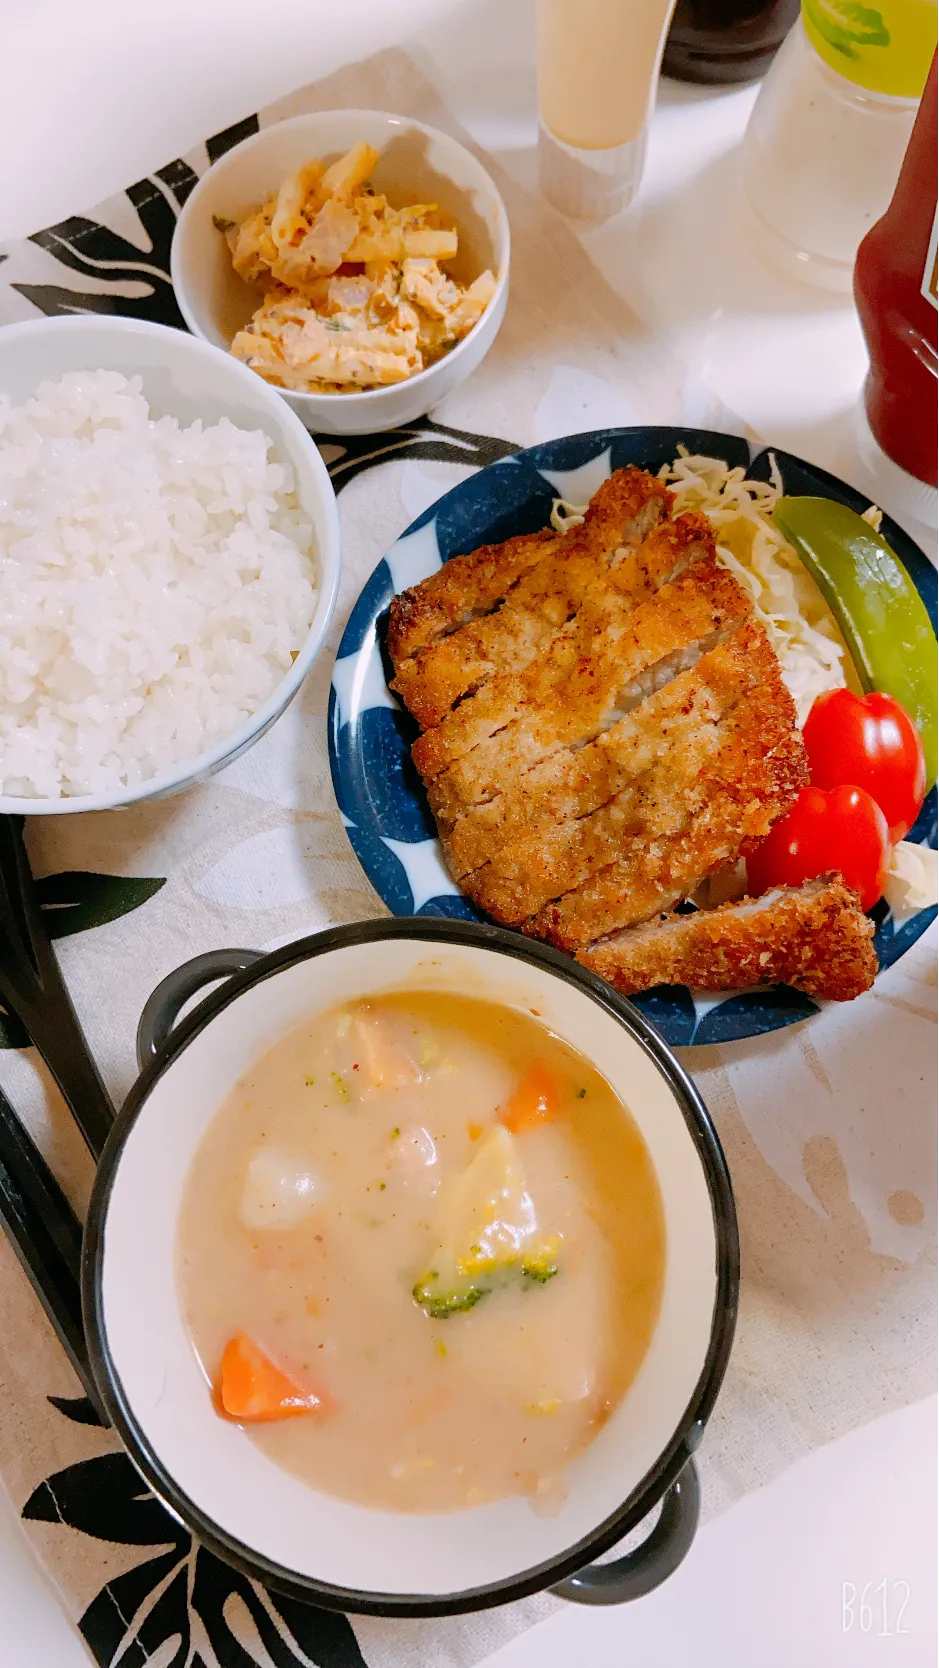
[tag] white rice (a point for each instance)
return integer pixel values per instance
(156, 584)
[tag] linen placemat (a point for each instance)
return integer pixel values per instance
(827, 1126)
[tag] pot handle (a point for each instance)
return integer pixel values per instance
(651, 1563)
(161, 1010)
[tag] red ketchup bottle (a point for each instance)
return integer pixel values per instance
(895, 291)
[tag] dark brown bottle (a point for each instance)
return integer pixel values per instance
(726, 40)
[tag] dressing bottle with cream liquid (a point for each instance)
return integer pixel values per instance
(598, 67)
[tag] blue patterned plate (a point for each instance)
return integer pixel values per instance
(380, 795)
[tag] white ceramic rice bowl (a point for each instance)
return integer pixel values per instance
(186, 379)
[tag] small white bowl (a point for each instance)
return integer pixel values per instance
(185, 379)
(416, 164)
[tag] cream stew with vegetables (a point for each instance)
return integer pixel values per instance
(421, 1253)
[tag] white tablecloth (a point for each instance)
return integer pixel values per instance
(97, 94)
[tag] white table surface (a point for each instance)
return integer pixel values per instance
(99, 92)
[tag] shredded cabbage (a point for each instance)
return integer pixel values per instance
(564, 516)
(786, 600)
(913, 881)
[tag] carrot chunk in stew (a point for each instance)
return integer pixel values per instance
(252, 1389)
(535, 1101)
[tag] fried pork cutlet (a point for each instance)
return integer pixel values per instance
(468, 587)
(815, 937)
(524, 875)
(464, 588)
(571, 784)
(748, 785)
(548, 594)
(605, 725)
(595, 668)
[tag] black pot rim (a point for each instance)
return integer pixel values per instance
(671, 1461)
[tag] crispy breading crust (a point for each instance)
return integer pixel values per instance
(573, 784)
(464, 587)
(749, 783)
(626, 507)
(815, 937)
(471, 585)
(525, 875)
(588, 559)
(562, 697)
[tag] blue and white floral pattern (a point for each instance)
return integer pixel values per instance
(380, 794)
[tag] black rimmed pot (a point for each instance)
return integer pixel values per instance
(268, 1524)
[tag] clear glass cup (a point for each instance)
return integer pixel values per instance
(820, 160)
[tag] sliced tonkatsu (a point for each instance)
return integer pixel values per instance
(815, 937)
(605, 726)
(590, 672)
(574, 782)
(747, 784)
(464, 588)
(488, 612)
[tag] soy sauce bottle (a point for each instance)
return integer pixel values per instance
(726, 40)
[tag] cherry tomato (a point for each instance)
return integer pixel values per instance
(842, 830)
(871, 742)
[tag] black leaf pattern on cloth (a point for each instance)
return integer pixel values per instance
(230, 137)
(72, 901)
(77, 1408)
(96, 252)
(424, 441)
(153, 1596)
(183, 1604)
(107, 1498)
(77, 899)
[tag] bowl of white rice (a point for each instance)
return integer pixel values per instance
(169, 561)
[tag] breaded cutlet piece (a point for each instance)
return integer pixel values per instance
(469, 586)
(619, 518)
(605, 726)
(642, 827)
(591, 670)
(815, 937)
(573, 783)
(462, 589)
(626, 507)
(747, 787)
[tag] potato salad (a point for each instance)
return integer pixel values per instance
(354, 293)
